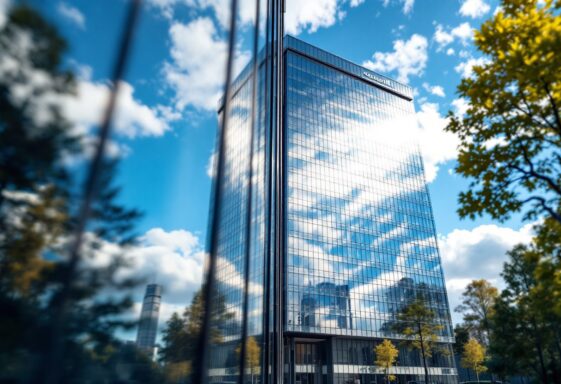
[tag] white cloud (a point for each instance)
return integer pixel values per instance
(85, 108)
(310, 15)
(220, 8)
(196, 72)
(211, 166)
(474, 8)
(409, 58)
(499, 8)
(461, 106)
(437, 146)
(465, 68)
(4, 6)
(450, 51)
(132, 117)
(435, 90)
(165, 6)
(478, 253)
(407, 5)
(168, 113)
(463, 33)
(173, 259)
(72, 14)
(198, 51)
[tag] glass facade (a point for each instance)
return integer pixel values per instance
(233, 239)
(358, 236)
(149, 316)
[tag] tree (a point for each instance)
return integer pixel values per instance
(181, 334)
(526, 331)
(193, 316)
(510, 137)
(174, 339)
(461, 334)
(417, 322)
(477, 306)
(252, 356)
(547, 243)
(178, 372)
(38, 211)
(473, 357)
(386, 356)
(510, 352)
(34, 136)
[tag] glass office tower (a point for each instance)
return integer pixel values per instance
(352, 238)
(149, 316)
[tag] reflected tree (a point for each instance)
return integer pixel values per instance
(181, 333)
(253, 356)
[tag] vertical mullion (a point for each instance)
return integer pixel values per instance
(249, 205)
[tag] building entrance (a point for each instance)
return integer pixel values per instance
(308, 363)
(305, 378)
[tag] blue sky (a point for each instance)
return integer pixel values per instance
(167, 122)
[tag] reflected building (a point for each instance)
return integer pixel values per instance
(341, 225)
(149, 316)
(326, 305)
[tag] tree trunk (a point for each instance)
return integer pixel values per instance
(387, 375)
(423, 354)
(540, 353)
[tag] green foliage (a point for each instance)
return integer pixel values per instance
(473, 357)
(253, 355)
(38, 206)
(510, 138)
(461, 334)
(525, 328)
(510, 149)
(418, 323)
(175, 340)
(547, 244)
(479, 297)
(32, 146)
(181, 334)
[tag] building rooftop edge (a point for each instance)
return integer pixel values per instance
(291, 42)
(331, 59)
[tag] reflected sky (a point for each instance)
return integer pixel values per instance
(358, 209)
(360, 238)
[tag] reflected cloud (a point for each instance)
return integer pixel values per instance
(359, 214)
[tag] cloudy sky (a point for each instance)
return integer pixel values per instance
(166, 124)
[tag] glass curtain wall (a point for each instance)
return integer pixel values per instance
(241, 301)
(361, 241)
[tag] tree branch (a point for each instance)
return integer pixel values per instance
(533, 117)
(544, 118)
(541, 202)
(532, 171)
(553, 104)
